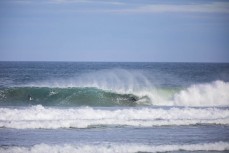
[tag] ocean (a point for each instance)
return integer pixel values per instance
(111, 107)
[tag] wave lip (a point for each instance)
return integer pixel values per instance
(86, 117)
(117, 148)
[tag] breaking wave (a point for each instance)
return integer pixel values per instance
(86, 117)
(116, 148)
(116, 87)
(208, 94)
(65, 97)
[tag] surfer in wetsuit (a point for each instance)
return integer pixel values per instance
(29, 97)
(133, 99)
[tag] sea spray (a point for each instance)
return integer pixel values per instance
(116, 80)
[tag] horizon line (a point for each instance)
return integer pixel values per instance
(114, 61)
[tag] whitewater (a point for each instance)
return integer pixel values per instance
(118, 148)
(52, 118)
(114, 107)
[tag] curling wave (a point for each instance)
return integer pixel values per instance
(200, 95)
(65, 97)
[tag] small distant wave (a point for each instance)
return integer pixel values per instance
(36, 117)
(116, 148)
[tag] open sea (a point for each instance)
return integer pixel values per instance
(98, 107)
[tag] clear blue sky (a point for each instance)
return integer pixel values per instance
(114, 30)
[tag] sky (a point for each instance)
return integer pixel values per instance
(114, 30)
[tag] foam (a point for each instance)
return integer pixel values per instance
(209, 94)
(85, 117)
(116, 148)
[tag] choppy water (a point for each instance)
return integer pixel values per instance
(114, 107)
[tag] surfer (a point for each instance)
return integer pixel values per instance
(29, 97)
(133, 99)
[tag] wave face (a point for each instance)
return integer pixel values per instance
(65, 97)
(51, 118)
(200, 95)
(117, 148)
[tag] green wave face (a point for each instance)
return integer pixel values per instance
(65, 97)
(197, 95)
